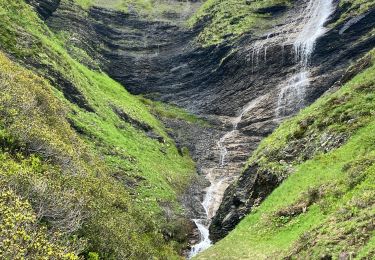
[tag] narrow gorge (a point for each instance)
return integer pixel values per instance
(167, 129)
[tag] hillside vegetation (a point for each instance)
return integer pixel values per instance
(325, 208)
(147, 8)
(85, 166)
(230, 19)
(355, 7)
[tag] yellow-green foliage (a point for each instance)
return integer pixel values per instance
(35, 117)
(103, 94)
(20, 235)
(230, 19)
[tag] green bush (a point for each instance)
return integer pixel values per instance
(92, 256)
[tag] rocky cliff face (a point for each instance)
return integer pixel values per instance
(45, 7)
(162, 60)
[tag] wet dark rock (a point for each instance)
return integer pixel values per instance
(191, 199)
(162, 60)
(198, 139)
(193, 237)
(272, 9)
(253, 186)
(45, 8)
(335, 51)
(333, 55)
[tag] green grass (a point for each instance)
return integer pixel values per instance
(166, 172)
(339, 219)
(231, 19)
(146, 8)
(258, 237)
(59, 159)
(228, 20)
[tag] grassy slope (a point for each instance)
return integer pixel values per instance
(109, 154)
(337, 188)
(230, 19)
(168, 111)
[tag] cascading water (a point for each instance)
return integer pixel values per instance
(304, 31)
(218, 184)
(235, 122)
(291, 96)
(203, 224)
(292, 93)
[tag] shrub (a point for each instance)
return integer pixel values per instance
(20, 235)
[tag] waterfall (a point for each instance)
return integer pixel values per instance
(292, 92)
(218, 184)
(235, 122)
(302, 32)
(208, 203)
(205, 240)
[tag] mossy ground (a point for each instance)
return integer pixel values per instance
(354, 8)
(163, 110)
(147, 8)
(228, 20)
(326, 207)
(231, 19)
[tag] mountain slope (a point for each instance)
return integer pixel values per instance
(78, 136)
(325, 206)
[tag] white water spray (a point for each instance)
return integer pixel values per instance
(218, 184)
(210, 204)
(317, 13)
(292, 93)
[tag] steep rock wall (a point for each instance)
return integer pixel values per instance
(45, 7)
